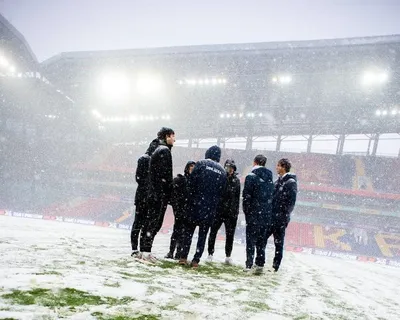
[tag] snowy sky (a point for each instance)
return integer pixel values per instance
(54, 26)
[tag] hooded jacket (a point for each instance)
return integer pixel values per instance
(229, 204)
(142, 173)
(160, 172)
(206, 184)
(284, 198)
(257, 196)
(179, 196)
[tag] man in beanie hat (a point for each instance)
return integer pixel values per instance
(206, 184)
(160, 186)
(227, 212)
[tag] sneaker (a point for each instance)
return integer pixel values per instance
(169, 256)
(194, 264)
(183, 262)
(272, 270)
(247, 270)
(148, 257)
(135, 253)
(228, 261)
(210, 258)
(258, 270)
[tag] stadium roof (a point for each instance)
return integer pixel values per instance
(14, 42)
(226, 48)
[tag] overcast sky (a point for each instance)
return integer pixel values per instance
(54, 26)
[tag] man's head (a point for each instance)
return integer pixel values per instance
(189, 167)
(283, 166)
(213, 153)
(230, 166)
(166, 134)
(260, 160)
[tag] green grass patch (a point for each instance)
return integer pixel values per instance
(112, 284)
(81, 262)
(258, 305)
(209, 269)
(101, 316)
(65, 297)
(301, 317)
(8, 319)
(51, 272)
(196, 294)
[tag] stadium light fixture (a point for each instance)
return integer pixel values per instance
(394, 112)
(374, 78)
(234, 115)
(378, 112)
(228, 115)
(12, 69)
(260, 114)
(114, 87)
(384, 112)
(4, 62)
(240, 115)
(222, 115)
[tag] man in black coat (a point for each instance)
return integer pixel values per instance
(141, 176)
(179, 199)
(284, 200)
(206, 184)
(160, 186)
(257, 208)
(227, 213)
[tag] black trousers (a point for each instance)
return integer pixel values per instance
(152, 223)
(278, 231)
(177, 234)
(255, 240)
(188, 231)
(140, 216)
(230, 227)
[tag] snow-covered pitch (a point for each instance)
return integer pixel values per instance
(90, 275)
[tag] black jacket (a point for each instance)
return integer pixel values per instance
(229, 204)
(142, 174)
(284, 199)
(180, 194)
(160, 173)
(257, 196)
(206, 184)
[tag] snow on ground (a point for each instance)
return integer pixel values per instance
(37, 254)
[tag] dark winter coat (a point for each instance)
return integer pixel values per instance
(142, 173)
(160, 173)
(257, 196)
(229, 204)
(206, 184)
(284, 199)
(180, 194)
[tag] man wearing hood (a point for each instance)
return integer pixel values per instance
(160, 186)
(206, 184)
(179, 198)
(227, 212)
(284, 200)
(141, 176)
(257, 208)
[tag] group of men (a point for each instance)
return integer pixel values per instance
(206, 196)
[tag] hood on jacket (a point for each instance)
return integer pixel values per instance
(152, 146)
(262, 173)
(188, 164)
(213, 153)
(289, 176)
(230, 163)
